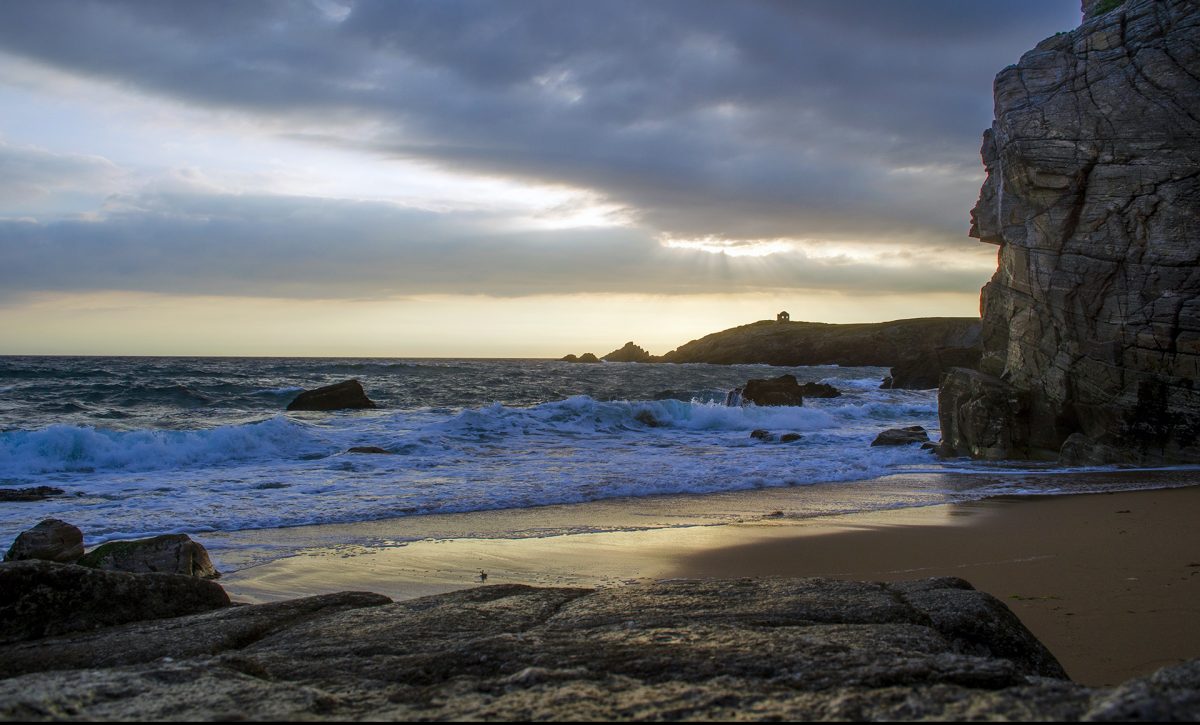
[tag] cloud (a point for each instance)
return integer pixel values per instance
(824, 118)
(189, 242)
(30, 175)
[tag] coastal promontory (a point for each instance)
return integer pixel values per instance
(1091, 324)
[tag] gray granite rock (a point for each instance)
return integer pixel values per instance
(763, 649)
(42, 598)
(168, 554)
(50, 540)
(1091, 324)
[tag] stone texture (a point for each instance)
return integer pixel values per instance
(344, 395)
(629, 353)
(168, 554)
(740, 649)
(51, 540)
(42, 598)
(1091, 324)
(901, 436)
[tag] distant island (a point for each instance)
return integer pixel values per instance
(917, 350)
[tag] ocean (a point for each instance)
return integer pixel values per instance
(145, 446)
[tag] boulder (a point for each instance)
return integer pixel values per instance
(790, 437)
(901, 436)
(819, 390)
(770, 649)
(783, 390)
(1091, 324)
(629, 353)
(50, 540)
(35, 493)
(42, 598)
(169, 553)
(762, 435)
(339, 396)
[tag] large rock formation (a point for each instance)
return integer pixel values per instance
(1091, 325)
(167, 554)
(802, 649)
(629, 353)
(347, 394)
(919, 350)
(42, 598)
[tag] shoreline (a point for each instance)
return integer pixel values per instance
(1093, 575)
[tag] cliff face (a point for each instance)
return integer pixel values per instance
(1091, 324)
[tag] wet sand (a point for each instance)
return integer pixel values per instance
(1109, 582)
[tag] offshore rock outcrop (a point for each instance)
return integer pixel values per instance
(918, 350)
(1091, 324)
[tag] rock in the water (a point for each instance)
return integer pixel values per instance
(1091, 324)
(819, 390)
(50, 540)
(368, 449)
(588, 357)
(169, 554)
(346, 394)
(629, 353)
(901, 436)
(570, 357)
(762, 435)
(43, 599)
(783, 390)
(798, 649)
(790, 437)
(35, 493)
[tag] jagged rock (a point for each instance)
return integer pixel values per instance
(901, 436)
(50, 540)
(169, 554)
(35, 493)
(629, 353)
(346, 394)
(368, 449)
(43, 599)
(588, 357)
(767, 649)
(783, 390)
(924, 344)
(1091, 324)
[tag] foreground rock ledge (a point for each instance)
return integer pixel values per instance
(744, 649)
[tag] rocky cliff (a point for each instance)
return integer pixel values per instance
(918, 349)
(1091, 324)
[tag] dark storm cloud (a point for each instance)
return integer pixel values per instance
(302, 247)
(824, 118)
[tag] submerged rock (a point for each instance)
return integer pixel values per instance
(339, 396)
(43, 599)
(762, 435)
(50, 540)
(368, 449)
(790, 437)
(35, 493)
(169, 553)
(901, 436)
(1091, 324)
(770, 649)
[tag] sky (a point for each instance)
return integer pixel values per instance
(452, 178)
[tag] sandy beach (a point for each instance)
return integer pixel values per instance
(1109, 582)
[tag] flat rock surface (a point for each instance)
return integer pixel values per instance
(761, 648)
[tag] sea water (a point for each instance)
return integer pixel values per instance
(145, 446)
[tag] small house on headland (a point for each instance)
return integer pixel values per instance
(783, 317)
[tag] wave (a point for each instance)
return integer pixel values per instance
(70, 448)
(583, 415)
